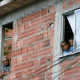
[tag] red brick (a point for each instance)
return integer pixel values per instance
(31, 32)
(67, 72)
(45, 27)
(18, 75)
(19, 22)
(48, 18)
(27, 26)
(41, 52)
(24, 50)
(75, 71)
(25, 72)
(77, 0)
(48, 75)
(37, 29)
(13, 61)
(34, 23)
(36, 62)
(45, 34)
(19, 59)
(42, 20)
(31, 17)
(19, 36)
(20, 43)
(34, 55)
(48, 50)
(70, 2)
(16, 45)
(12, 69)
(51, 33)
(12, 76)
(37, 14)
(43, 60)
(13, 54)
(52, 16)
(23, 66)
(30, 64)
(51, 41)
(17, 67)
(35, 46)
(21, 28)
(50, 58)
(63, 4)
(41, 44)
(30, 48)
(18, 52)
(32, 39)
(25, 34)
(13, 46)
(25, 19)
(25, 57)
(52, 8)
(30, 72)
(26, 42)
(78, 76)
(44, 12)
(39, 37)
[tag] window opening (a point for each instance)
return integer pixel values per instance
(8, 40)
(68, 31)
(72, 29)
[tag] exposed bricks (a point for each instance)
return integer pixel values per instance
(33, 47)
(13, 61)
(27, 26)
(26, 57)
(43, 60)
(24, 50)
(19, 52)
(21, 28)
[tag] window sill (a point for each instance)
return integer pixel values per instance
(72, 54)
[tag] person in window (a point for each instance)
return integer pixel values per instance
(6, 66)
(66, 48)
(71, 42)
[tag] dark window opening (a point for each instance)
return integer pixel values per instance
(68, 31)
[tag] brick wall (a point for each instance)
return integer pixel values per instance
(32, 49)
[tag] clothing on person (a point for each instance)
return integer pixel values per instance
(6, 69)
(68, 52)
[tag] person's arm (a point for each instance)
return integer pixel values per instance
(4, 73)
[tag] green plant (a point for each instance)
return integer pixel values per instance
(7, 30)
(6, 52)
(10, 47)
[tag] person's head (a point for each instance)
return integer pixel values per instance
(71, 41)
(5, 61)
(65, 45)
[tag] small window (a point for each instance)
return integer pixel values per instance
(72, 29)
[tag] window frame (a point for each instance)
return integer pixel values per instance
(66, 14)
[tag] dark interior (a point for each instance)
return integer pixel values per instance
(9, 25)
(68, 30)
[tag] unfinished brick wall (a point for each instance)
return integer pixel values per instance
(33, 48)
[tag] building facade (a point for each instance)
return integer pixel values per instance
(39, 26)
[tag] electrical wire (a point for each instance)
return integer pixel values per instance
(50, 63)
